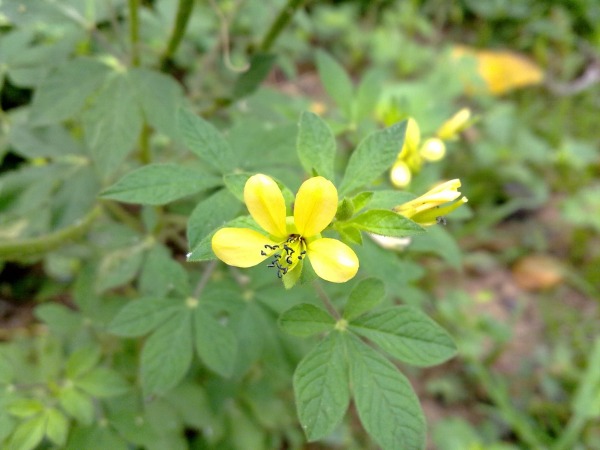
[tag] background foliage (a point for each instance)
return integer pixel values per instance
(127, 132)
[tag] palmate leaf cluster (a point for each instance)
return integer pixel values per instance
(154, 344)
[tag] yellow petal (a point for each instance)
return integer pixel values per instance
(400, 175)
(240, 247)
(454, 124)
(332, 260)
(266, 204)
(433, 149)
(316, 204)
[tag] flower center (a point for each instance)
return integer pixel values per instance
(286, 254)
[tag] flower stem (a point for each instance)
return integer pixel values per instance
(134, 30)
(279, 24)
(184, 12)
(210, 267)
(37, 246)
(326, 301)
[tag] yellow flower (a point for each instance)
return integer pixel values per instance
(427, 208)
(287, 240)
(501, 70)
(454, 125)
(400, 175)
(433, 149)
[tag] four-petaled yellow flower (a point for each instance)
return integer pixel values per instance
(427, 210)
(288, 240)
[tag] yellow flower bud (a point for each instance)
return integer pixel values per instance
(411, 138)
(433, 149)
(400, 175)
(451, 127)
(426, 208)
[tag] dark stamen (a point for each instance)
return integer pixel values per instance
(288, 260)
(263, 253)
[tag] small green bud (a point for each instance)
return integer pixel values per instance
(345, 210)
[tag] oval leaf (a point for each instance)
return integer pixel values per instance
(305, 320)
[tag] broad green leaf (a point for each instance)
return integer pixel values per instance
(386, 223)
(305, 320)
(359, 201)
(367, 294)
(203, 139)
(25, 407)
(102, 382)
(316, 145)
(203, 250)
(437, 240)
(142, 316)
(7, 425)
(211, 213)
(56, 99)
(119, 266)
(407, 334)
(158, 184)
(160, 97)
(82, 360)
(161, 274)
(373, 156)
(59, 318)
(57, 427)
(249, 81)
(336, 82)
(96, 438)
(387, 405)
(28, 434)
(216, 345)
(349, 233)
(368, 94)
(77, 404)
(321, 387)
(112, 123)
(167, 354)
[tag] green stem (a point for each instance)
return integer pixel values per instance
(325, 299)
(134, 31)
(279, 24)
(184, 12)
(144, 155)
(26, 248)
(209, 269)
(123, 215)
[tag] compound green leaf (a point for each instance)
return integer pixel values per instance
(407, 334)
(158, 184)
(28, 434)
(373, 156)
(82, 360)
(367, 294)
(321, 387)
(56, 99)
(160, 97)
(316, 145)
(211, 213)
(162, 274)
(203, 139)
(387, 405)
(167, 354)
(249, 81)
(102, 382)
(386, 223)
(216, 345)
(77, 404)
(57, 427)
(336, 82)
(305, 320)
(112, 123)
(142, 316)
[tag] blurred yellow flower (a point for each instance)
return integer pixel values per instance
(502, 70)
(433, 149)
(288, 239)
(426, 209)
(454, 125)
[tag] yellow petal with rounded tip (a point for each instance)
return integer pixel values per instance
(433, 149)
(315, 207)
(332, 260)
(400, 175)
(266, 204)
(240, 247)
